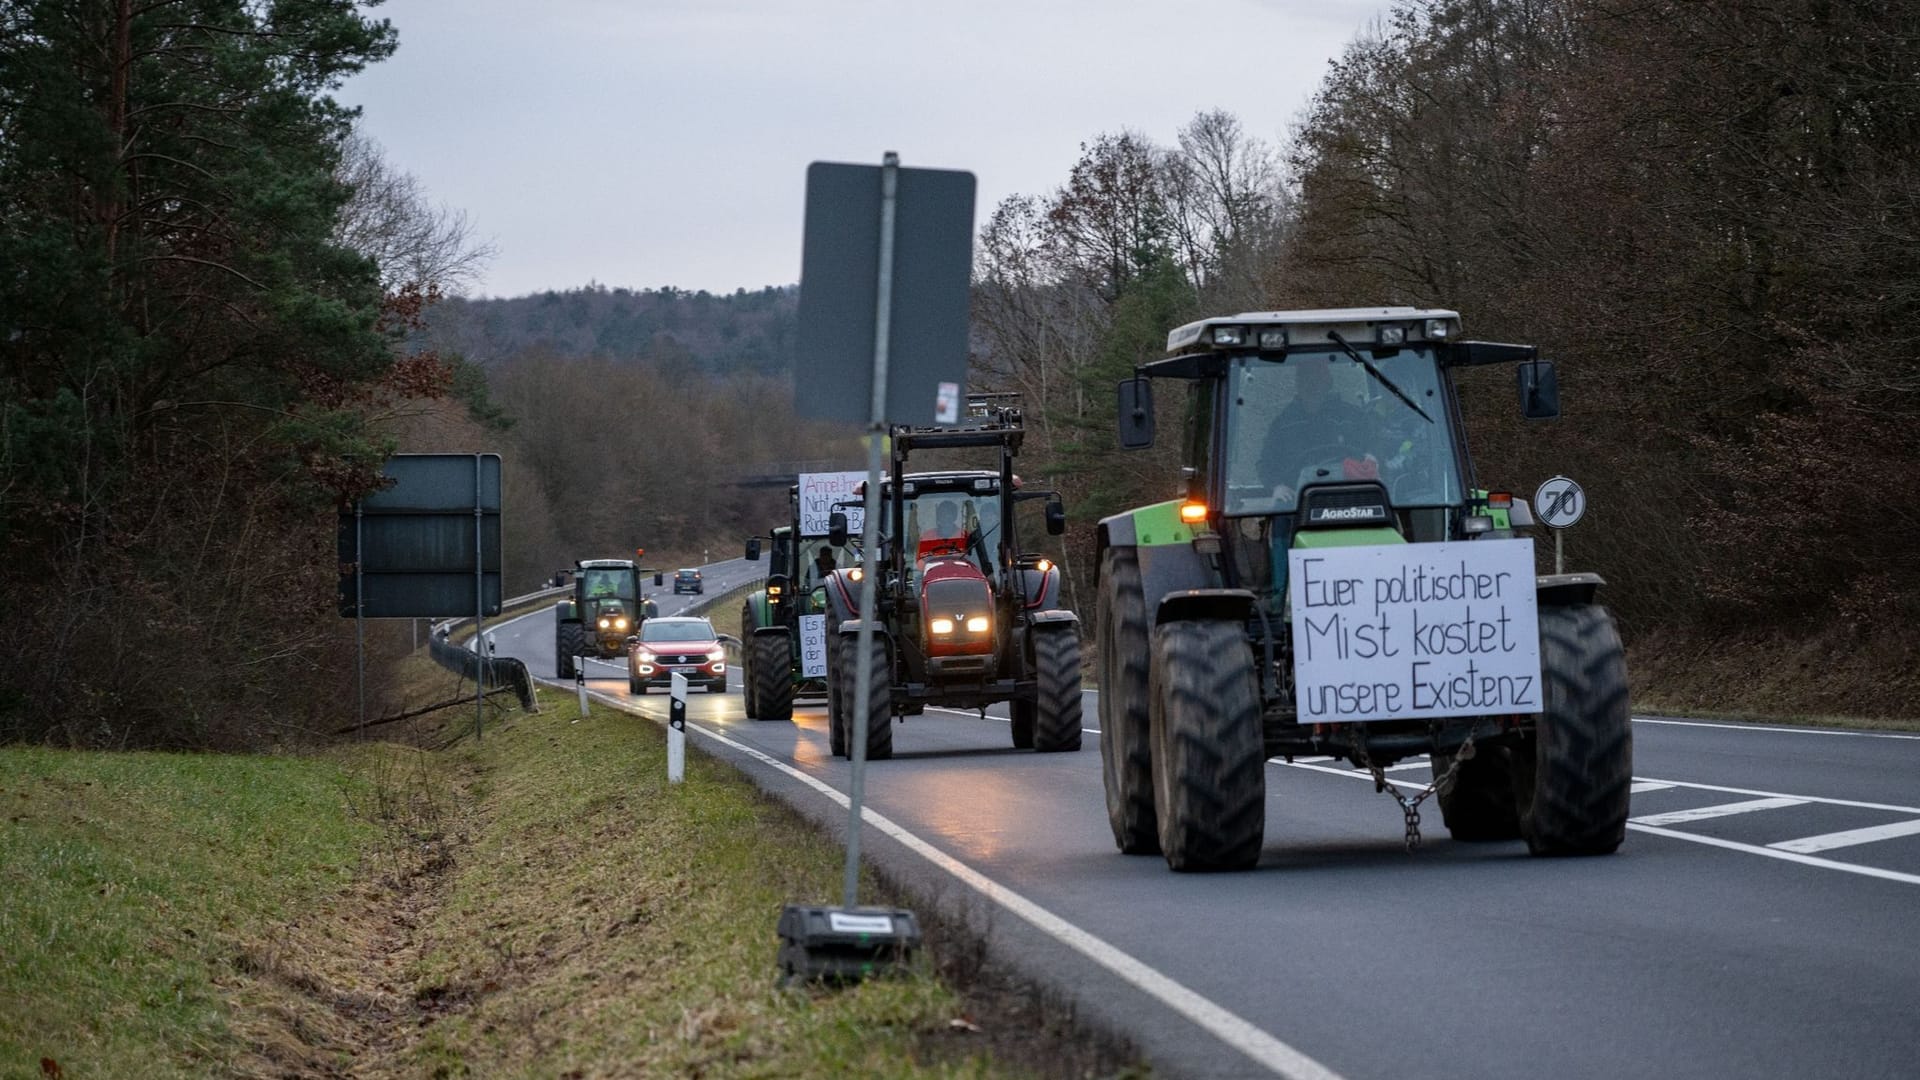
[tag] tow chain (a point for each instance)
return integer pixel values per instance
(1441, 784)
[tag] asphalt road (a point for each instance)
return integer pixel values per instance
(1760, 920)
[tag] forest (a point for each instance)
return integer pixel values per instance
(226, 309)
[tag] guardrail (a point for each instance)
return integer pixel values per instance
(493, 672)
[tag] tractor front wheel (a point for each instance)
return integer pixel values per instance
(1056, 656)
(879, 696)
(770, 676)
(1574, 775)
(1126, 754)
(569, 641)
(1209, 763)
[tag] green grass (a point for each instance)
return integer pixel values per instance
(604, 916)
(128, 882)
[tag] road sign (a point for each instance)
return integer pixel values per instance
(1559, 503)
(429, 546)
(932, 255)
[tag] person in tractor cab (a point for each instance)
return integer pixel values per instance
(823, 562)
(948, 537)
(1318, 427)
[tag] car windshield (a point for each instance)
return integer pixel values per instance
(676, 630)
(1320, 417)
(603, 584)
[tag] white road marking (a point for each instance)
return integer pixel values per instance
(1788, 856)
(1783, 795)
(974, 714)
(1703, 813)
(1770, 729)
(1640, 786)
(1806, 845)
(1416, 763)
(1276, 1056)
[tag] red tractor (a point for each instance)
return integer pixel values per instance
(963, 618)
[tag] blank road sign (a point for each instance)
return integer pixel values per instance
(839, 292)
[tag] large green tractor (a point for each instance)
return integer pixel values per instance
(606, 608)
(1333, 582)
(783, 622)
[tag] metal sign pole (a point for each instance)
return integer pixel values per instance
(360, 609)
(479, 596)
(1559, 551)
(876, 433)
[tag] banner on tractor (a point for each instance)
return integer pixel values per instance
(1414, 631)
(818, 493)
(813, 646)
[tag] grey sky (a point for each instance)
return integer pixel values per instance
(665, 142)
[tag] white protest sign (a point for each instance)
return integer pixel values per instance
(813, 646)
(818, 493)
(1412, 631)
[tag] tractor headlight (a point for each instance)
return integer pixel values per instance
(1229, 335)
(1390, 335)
(978, 624)
(1437, 329)
(620, 623)
(605, 622)
(941, 626)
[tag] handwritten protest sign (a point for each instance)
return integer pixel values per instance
(813, 646)
(1411, 631)
(818, 493)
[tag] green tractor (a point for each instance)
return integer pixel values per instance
(606, 608)
(784, 621)
(1333, 583)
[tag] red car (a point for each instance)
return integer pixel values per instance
(684, 644)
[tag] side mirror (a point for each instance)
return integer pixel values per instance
(1056, 518)
(1136, 413)
(1539, 390)
(659, 579)
(837, 529)
(753, 549)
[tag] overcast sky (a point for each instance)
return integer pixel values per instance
(644, 143)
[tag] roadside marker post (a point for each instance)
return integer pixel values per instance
(580, 681)
(677, 730)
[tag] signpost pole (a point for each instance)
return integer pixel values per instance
(876, 434)
(479, 596)
(1559, 551)
(359, 610)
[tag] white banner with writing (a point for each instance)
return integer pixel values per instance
(1410, 631)
(819, 491)
(813, 646)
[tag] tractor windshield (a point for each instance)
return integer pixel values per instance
(953, 523)
(606, 584)
(1319, 417)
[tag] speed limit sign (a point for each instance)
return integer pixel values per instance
(1559, 503)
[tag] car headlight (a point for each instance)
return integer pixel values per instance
(717, 654)
(643, 656)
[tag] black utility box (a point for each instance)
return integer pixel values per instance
(844, 945)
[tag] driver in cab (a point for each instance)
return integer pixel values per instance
(1318, 427)
(947, 537)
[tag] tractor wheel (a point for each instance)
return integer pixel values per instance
(1056, 656)
(1209, 763)
(770, 675)
(879, 698)
(1481, 804)
(748, 702)
(1022, 711)
(1126, 755)
(569, 641)
(1573, 776)
(836, 696)
(634, 685)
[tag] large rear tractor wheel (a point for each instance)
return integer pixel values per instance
(1574, 778)
(771, 674)
(1126, 754)
(569, 641)
(1209, 764)
(1056, 660)
(1481, 804)
(838, 690)
(748, 702)
(879, 697)
(1022, 711)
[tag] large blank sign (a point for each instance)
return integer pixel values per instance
(1411, 631)
(427, 547)
(839, 294)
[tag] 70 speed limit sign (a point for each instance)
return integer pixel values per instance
(1559, 503)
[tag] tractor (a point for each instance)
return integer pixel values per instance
(606, 608)
(962, 617)
(1331, 582)
(784, 621)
